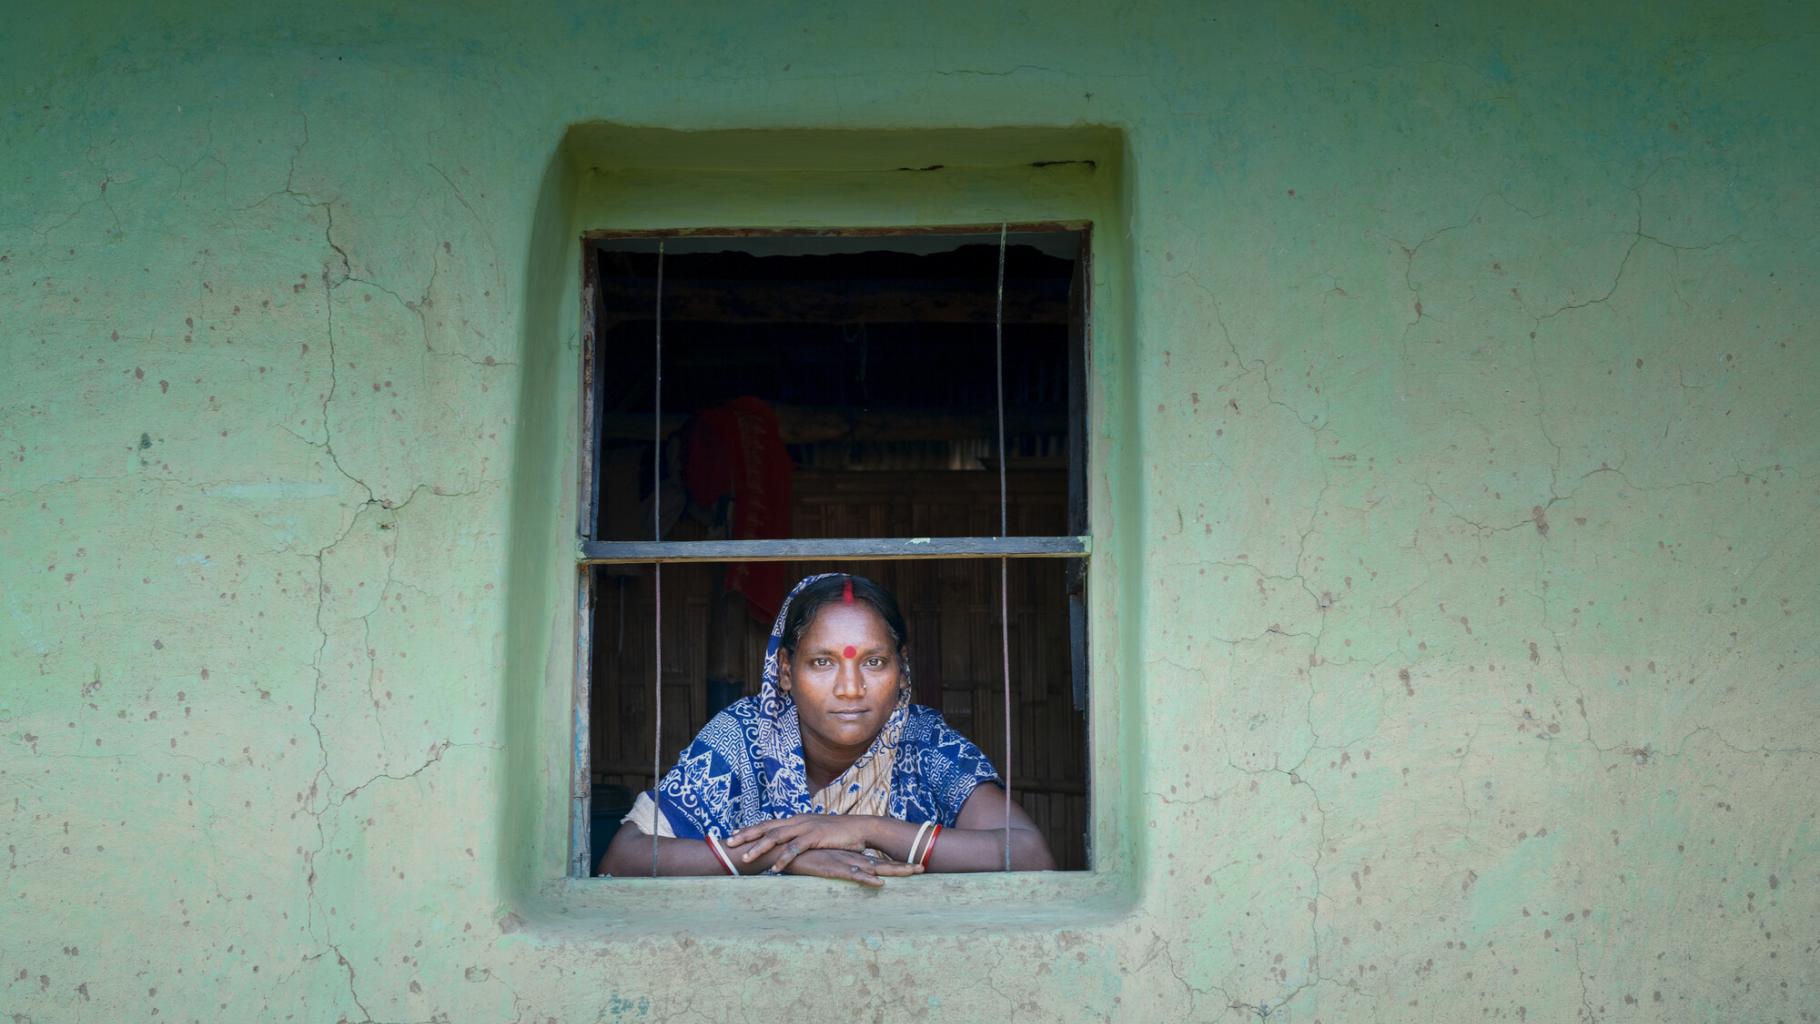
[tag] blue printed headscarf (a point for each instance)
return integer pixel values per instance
(746, 764)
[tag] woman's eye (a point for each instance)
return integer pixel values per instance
(875, 662)
(821, 662)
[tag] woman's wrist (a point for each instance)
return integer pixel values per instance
(756, 866)
(890, 835)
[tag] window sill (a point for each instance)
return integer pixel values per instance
(633, 909)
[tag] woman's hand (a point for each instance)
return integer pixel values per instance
(845, 865)
(794, 836)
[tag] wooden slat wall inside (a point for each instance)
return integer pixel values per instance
(952, 609)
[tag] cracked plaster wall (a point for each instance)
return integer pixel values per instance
(1474, 401)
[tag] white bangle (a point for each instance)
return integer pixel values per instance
(720, 854)
(918, 841)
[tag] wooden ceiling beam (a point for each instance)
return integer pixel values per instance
(903, 301)
(805, 424)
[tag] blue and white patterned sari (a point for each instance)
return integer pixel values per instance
(746, 765)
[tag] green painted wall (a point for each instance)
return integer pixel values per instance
(1456, 396)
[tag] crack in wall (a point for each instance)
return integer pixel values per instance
(1248, 366)
(332, 279)
(1587, 1013)
(1265, 1008)
(353, 989)
(319, 798)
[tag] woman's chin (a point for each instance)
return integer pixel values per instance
(852, 728)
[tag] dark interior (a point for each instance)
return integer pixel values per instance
(876, 358)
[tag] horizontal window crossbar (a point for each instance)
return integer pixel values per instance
(832, 549)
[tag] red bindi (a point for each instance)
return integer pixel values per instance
(849, 651)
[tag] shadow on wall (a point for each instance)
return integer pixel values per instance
(535, 517)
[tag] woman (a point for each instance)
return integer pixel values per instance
(830, 770)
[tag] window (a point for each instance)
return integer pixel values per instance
(905, 405)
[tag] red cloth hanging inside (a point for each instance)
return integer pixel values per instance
(736, 450)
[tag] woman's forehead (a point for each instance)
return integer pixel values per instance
(858, 620)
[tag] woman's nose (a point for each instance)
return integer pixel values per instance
(847, 682)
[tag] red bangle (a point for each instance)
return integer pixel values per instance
(719, 854)
(933, 836)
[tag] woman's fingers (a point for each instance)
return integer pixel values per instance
(857, 868)
(790, 852)
(771, 840)
(801, 833)
(762, 837)
(807, 831)
(866, 878)
(759, 846)
(751, 832)
(874, 872)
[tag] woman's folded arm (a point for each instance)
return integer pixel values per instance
(975, 843)
(977, 840)
(630, 855)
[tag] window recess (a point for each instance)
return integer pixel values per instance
(908, 405)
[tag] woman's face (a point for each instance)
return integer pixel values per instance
(844, 676)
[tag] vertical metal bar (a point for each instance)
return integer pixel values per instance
(1079, 338)
(657, 570)
(1004, 519)
(1080, 349)
(998, 355)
